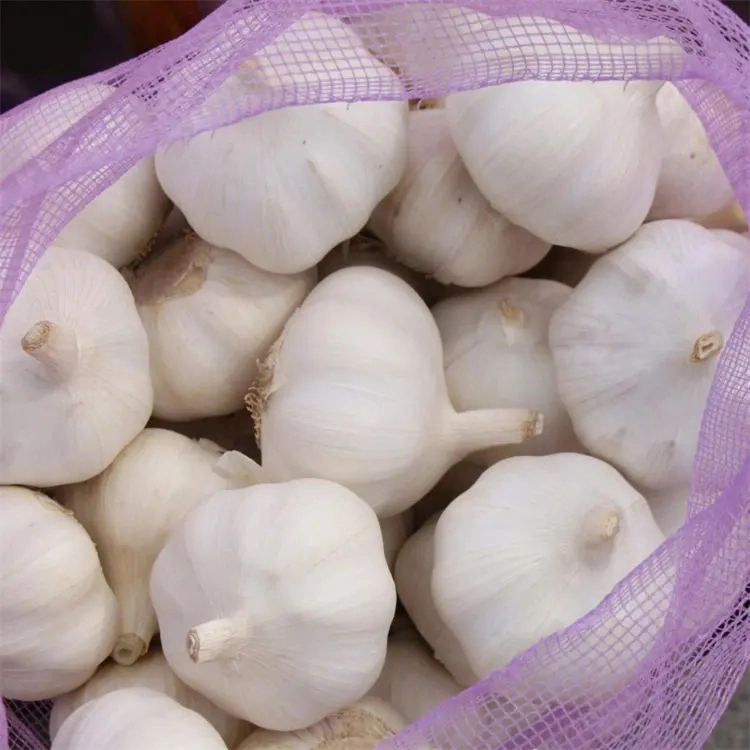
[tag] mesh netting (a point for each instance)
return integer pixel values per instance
(666, 649)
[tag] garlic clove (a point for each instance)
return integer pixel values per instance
(355, 394)
(121, 219)
(413, 575)
(134, 719)
(567, 527)
(76, 384)
(152, 672)
(411, 680)
(436, 220)
(305, 590)
(361, 726)
(131, 508)
(332, 162)
(496, 355)
(575, 163)
(210, 316)
(368, 251)
(59, 617)
(641, 335)
(692, 181)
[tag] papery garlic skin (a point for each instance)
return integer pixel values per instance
(59, 617)
(210, 316)
(363, 250)
(413, 574)
(130, 510)
(566, 527)
(496, 354)
(637, 342)
(325, 166)
(437, 222)
(76, 384)
(304, 587)
(670, 508)
(692, 181)
(119, 221)
(411, 680)
(355, 393)
(574, 162)
(152, 672)
(136, 719)
(361, 726)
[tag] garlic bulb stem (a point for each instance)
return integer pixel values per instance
(217, 639)
(600, 525)
(707, 346)
(475, 430)
(56, 347)
(128, 649)
(511, 312)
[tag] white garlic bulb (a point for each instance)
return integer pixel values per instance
(76, 384)
(574, 162)
(131, 508)
(210, 316)
(59, 617)
(411, 680)
(692, 181)
(355, 393)
(152, 672)
(669, 508)
(368, 251)
(136, 719)
(413, 574)
(285, 598)
(361, 726)
(117, 224)
(438, 222)
(565, 527)
(497, 355)
(636, 345)
(327, 164)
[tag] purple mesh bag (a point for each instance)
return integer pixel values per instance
(673, 638)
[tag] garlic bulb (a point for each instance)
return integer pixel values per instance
(131, 508)
(692, 181)
(565, 527)
(210, 316)
(327, 164)
(413, 574)
(574, 162)
(368, 251)
(152, 672)
(298, 626)
(438, 222)
(497, 355)
(636, 344)
(411, 680)
(116, 224)
(136, 719)
(59, 617)
(395, 531)
(669, 508)
(354, 393)
(362, 726)
(76, 386)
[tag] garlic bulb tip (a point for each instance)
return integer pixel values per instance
(52, 345)
(601, 525)
(217, 639)
(707, 346)
(128, 649)
(511, 312)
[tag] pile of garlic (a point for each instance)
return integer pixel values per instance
(449, 411)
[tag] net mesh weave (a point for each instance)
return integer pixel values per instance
(656, 663)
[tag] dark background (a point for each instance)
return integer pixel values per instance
(44, 43)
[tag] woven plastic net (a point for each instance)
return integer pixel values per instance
(656, 663)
